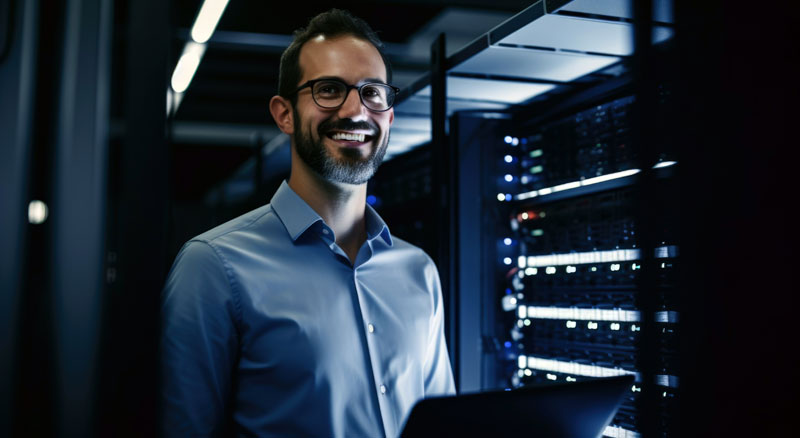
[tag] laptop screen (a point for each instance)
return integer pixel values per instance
(579, 409)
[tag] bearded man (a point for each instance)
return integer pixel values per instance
(306, 317)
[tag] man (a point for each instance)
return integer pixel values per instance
(305, 317)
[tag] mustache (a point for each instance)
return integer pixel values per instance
(347, 125)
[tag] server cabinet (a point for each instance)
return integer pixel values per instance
(561, 254)
(558, 172)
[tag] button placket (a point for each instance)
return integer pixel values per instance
(377, 373)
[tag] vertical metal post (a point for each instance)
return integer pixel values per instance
(647, 293)
(443, 179)
(17, 86)
(129, 399)
(440, 155)
(79, 176)
(473, 134)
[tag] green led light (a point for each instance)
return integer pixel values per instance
(536, 153)
(537, 232)
(537, 169)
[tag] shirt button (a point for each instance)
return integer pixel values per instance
(325, 231)
(383, 389)
(371, 328)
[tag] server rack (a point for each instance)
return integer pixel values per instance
(569, 264)
(559, 248)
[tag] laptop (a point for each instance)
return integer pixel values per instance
(577, 409)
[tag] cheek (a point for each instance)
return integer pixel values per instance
(309, 127)
(385, 123)
(307, 124)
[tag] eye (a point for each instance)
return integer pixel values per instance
(328, 89)
(373, 92)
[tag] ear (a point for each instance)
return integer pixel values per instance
(391, 116)
(281, 110)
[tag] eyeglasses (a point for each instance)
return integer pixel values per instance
(332, 93)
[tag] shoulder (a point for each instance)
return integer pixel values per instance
(220, 234)
(252, 232)
(210, 253)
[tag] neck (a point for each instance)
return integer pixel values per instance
(341, 206)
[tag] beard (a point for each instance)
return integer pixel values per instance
(350, 167)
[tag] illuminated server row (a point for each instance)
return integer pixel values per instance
(570, 258)
(549, 213)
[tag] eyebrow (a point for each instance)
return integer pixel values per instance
(337, 78)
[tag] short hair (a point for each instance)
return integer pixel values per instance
(333, 23)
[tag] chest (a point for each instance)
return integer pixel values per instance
(325, 319)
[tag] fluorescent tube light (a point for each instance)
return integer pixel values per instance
(207, 20)
(574, 368)
(575, 184)
(574, 313)
(580, 258)
(187, 66)
(661, 164)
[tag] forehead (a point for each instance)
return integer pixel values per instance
(346, 57)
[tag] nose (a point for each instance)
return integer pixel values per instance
(352, 108)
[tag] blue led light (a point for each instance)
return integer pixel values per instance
(371, 199)
(507, 344)
(508, 196)
(508, 291)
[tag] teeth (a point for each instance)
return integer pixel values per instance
(347, 136)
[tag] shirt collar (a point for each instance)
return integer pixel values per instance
(297, 216)
(376, 226)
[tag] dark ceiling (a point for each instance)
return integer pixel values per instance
(397, 19)
(238, 73)
(223, 115)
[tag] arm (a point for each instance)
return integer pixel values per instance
(199, 344)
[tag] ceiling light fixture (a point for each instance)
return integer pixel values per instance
(207, 20)
(187, 66)
(204, 26)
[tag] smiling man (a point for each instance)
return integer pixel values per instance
(306, 317)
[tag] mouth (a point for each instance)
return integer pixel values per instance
(349, 138)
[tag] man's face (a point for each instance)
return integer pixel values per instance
(318, 132)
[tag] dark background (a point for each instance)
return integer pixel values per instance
(737, 134)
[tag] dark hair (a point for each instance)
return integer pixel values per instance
(335, 22)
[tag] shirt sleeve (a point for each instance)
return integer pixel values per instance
(438, 372)
(199, 344)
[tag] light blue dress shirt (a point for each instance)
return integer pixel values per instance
(269, 329)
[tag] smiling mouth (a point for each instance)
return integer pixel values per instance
(350, 136)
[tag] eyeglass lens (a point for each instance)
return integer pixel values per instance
(331, 94)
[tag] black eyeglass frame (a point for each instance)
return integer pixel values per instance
(348, 87)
